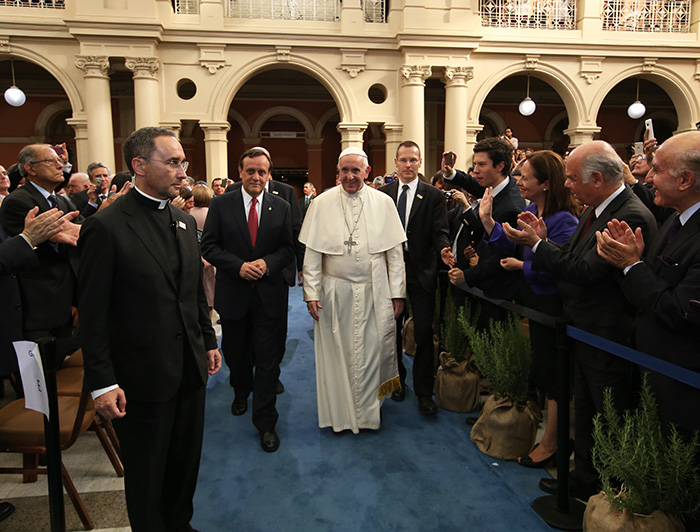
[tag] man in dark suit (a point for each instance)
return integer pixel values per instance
(248, 237)
(83, 194)
(48, 291)
(286, 192)
(147, 337)
(492, 161)
(590, 293)
(665, 287)
(305, 201)
(423, 213)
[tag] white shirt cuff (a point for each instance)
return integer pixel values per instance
(96, 393)
(628, 268)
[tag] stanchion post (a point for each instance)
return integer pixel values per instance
(561, 511)
(52, 432)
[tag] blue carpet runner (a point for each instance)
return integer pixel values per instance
(414, 474)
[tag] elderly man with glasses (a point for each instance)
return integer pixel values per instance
(48, 290)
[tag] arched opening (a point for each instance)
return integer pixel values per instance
(284, 109)
(43, 116)
(620, 130)
(500, 110)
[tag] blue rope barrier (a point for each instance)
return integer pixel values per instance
(686, 376)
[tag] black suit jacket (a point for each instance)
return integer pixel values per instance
(286, 192)
(15, 256)
(488, 274)
(427, 230)
(48, 290)
(138, 322)
(226, 244)
(471, 233)
(80, 200)
(303, 207)
(588, 285)
(667, 325)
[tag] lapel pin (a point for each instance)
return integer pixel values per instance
(269, 208)
(275, 192)
(182, 225)
(419, 196)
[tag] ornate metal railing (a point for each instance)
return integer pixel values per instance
(538, 14)
(284, 9)
(186, 7)
(647, 15)
(41, 4)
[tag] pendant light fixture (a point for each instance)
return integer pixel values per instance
(527, 106)
(637, 109)
(14, 96)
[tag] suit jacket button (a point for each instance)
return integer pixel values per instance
(178, 335)
(18, 306)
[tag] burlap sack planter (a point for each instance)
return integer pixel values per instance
(600, 516)
(506, 430)
(409, 342)
(457, 384)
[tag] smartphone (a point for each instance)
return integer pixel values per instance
(650, 127)
(389, 178)
(450, 158)
(98, 185)
(59, 150)
(638, 148)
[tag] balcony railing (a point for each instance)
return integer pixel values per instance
(537, 14)
(647, 15)
(41, 4)
(374, 10)
(186, 7)
(284, 9)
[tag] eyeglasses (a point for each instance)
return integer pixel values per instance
(51, 160)
(174, 164)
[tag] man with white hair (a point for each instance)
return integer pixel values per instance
(354, 286)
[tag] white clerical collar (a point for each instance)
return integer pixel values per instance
(503, 184)
(161, 202)
(600, 208)
(686, 214)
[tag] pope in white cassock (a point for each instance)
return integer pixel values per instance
(354, 286)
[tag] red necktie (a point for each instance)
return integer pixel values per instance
(253, 221)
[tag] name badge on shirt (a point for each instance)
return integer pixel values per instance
(182, 225)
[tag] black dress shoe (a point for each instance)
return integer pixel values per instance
(280, 387)
(427, 406)
(239, 407)
(269, 441)
(399, 394)
(6, 510)
(526, 461)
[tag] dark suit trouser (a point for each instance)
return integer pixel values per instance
(423, 310)
(589, 385)
(257, 341)
(161, 445)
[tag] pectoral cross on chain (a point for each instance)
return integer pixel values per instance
(350, 243)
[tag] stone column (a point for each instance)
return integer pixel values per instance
(215, 146)
(412, 103)
(580, 134)
(394, 135)
(146, 93)
(315, 160)
(175, 127)
(472, 130)
(455, 80)
(351, 134)
(98, 108)
(82, 150)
